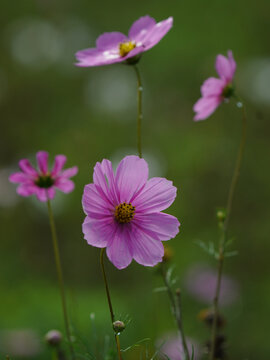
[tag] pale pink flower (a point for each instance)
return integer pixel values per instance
(170, 346)
(124, 212)
(115, 47)
(43, 182)
(214, 91)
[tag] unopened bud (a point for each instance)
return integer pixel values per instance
(118, 326)
(53, 337)
(221, 215)
(207, 316)
(168, 253)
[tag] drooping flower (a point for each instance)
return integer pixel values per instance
(42, 182)
(124, 212)
(115, 47)
(214, 91)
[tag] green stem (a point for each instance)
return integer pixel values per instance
(176, 310)
(224, 237)
(60, 277)
(139, 110)
(109, 301)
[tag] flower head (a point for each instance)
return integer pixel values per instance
(123, 212)
(170, 346)
(214, 91)
(115, 47)
(42, 182)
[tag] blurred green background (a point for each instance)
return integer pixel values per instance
(88, 114)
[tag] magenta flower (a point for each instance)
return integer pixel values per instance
(171, 346)
(115, 47)
(43, 182)
(124, 212)
(214, 91)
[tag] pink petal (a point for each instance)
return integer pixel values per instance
(26, 189)
(98, 233)
(213, 87)
(225, 67)
(157, 195)
(51, 192)
(19, 177)
(41, 194)
(59, 162)
(157, 33)
(110, 40)
(146, 250)
(27, 168)
(105, 183)
(94, 57)
(94, 204)
(64, 184)
(140, 28)
(119, 251)
(70, 172)
(205, 106)
(160, 225)
(42, 160)
(131, 176)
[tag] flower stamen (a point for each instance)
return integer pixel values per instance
(126, 47)
(124, 213)
(44, 181)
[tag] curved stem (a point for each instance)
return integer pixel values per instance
(109, 301)
(139, 110)
(224, 237)
(60, 277)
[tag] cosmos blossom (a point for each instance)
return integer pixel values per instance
(214, 91)
(124, 212)
(170, 347)
(43, 182)
(115, 47)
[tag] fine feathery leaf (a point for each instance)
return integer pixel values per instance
(137, 344)
(160, 289)
(209, 248)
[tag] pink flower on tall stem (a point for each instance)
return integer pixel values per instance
(124, 212)
(214, 91)
(42, 182)
(115, 47)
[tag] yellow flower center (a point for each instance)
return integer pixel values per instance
(124, 213)
(126, 47)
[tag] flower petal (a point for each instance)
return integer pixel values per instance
(140, 28)
(26, 189)
(64, 184)
(131, 176)
(51, 192)
(157, 33)
(94, 204)
(212, 87)
(59, 162)
(42, 160)
(19, 177)
(98, 233)
(110, 40)
(205, 106)
(94, 57)
(104, 180)
(226, 67)
(27, 168)
(70, 172)
(119, 251)
(160, 225)
(157, 195)
(146, 250)
(41, 194)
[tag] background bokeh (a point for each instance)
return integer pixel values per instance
(89, 114)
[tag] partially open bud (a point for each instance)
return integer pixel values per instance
(118, 326)
(53, 337)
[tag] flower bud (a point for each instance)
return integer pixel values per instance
(168, 253)
(221, 215)
(53, 337)
(118, 326)
(207, 316)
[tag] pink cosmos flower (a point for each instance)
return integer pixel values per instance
(43, 182)
(115, 47)
(124, 212)
(171, 346)
(214, 91)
